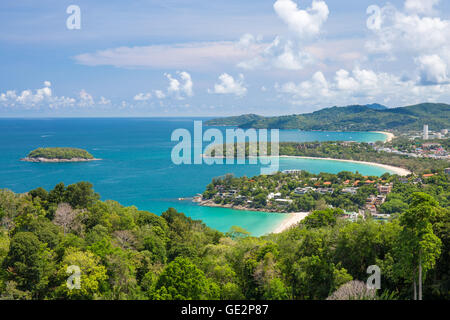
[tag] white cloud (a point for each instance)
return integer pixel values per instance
(142, 96)
(159, 94)
(47, 83)
(304, 23)
(86, 99)
(199, 55)
(421, 6)
(182, 87)
(104, 101)
(281, 54)
(433, 69)
(228, 85)
(360, 86)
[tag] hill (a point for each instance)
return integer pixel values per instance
(351, 118)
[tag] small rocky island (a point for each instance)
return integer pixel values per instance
(59, 155)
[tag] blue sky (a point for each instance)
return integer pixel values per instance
(181, 58)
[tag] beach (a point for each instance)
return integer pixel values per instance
(291, 220)
(389, 136)
(397, 170)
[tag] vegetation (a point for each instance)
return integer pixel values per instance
(346, 151)
(305, 192)
(125, 253)
(60, 153)
(351, 118)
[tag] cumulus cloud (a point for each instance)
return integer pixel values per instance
(414, 35)
(228, 85)
(160, 94)
(304, 23)
(359, 86)
(282, 54)
(421, 6)
(43, 98)
(182, 87)
(86, 100)
(433, 69)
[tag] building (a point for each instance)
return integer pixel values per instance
(292, 171)
(350, 190)
(447, 171)
(444, 131)
(425, 132)
(385, 189)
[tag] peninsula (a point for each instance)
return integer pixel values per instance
(59, 155)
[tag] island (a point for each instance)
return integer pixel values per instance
(59, 155)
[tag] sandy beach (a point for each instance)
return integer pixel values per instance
(389, 136)
(396, 170)
(291, 220)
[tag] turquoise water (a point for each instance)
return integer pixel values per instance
(137, 169)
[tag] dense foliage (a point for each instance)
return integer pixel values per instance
(60, 153)
(125, 253)
(351, 118)
(343, 150)
(237, 191)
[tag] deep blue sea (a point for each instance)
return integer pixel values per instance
(137, 169)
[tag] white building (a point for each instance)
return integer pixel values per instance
(425, 132)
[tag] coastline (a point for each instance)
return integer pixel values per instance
(293, 219)
(397, 170)
(58, 160)
(389, 135)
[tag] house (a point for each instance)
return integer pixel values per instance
(324, 190)
(327, 183)
(371, 209)
(350, 190)
(385, 189)
(371, 200)
(403, 180)
(292, 171)
(273, 195)
(428, 175)
(447, 171)
(356, 183)
(380, 199)
(284, 201)
(302, 190)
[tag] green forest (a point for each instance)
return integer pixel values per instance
(60, 153)
(337, 150)
(126, 253)
(350, 118)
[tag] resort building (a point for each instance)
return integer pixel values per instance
(385, 189)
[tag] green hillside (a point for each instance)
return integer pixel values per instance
(351, 118)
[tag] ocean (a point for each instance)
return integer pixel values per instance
(136, 167)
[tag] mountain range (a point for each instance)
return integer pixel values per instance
(373, 117)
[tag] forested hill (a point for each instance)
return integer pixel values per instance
(350, 118)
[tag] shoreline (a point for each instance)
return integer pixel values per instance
(389, 135)
(397, 170)
(293, 219)
(38, 160)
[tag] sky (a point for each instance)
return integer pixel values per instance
(170, 58)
